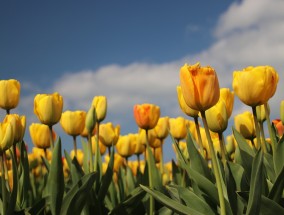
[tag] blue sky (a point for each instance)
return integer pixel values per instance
(131, 51)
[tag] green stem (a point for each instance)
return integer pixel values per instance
(262, 132)
(97, 149)
(199, 136)
(152, 205)
(51, 138)
(4, 194)
(257, 132)
(162, 159)
(8, 111)
(272, 136)
(216, 169)
(90, 150)
(75, 145)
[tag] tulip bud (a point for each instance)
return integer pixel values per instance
(146, 115)
(9, 94)
(100, 104)
(282, 111)
(91, 120)
(200, 86)
(102, 147)
(260, 113)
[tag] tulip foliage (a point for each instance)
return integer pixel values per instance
(125, 174)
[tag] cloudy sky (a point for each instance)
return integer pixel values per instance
(131, 51)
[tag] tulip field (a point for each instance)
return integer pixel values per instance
(242, 173)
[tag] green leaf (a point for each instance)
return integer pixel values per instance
(75, 200)
(39, 206)
(246, 152)
(168, 202)
(255, 184)
(278, 156)
(270, 207)
(107, 178)
(269, 166)
(55, 181)
(86, 153)
(231, 188)
(132, 204)
(13, 197)
(277, 189)
(194, 202)
(197, 162)
(76, 171)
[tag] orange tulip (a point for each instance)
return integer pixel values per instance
(146, 115)
(200, 86)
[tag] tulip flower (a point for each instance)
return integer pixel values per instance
(162, 128)
(146, 115)
(228, 97)
(123, 146)
(178, 128)
(279, 126)
(79, 156)
(6, 136)
(73, 122)
(217, 117)
(255, 85)
(199, 86)
(101, 146)
(40, 135)
(18, 124)
(109, 134)
(9, 94)
(183, 106)
(100, 104)
(245, 125)
(48, 108)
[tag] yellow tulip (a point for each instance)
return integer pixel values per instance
(109, 134)
(9, 93)
(136, 145)
(123, 146)
(178, 128)
(6, 136)
(156, 143)
(162, 128)
(80, 156)
(260, 113)
(200, 86)
(100, 104)
(244, 123)
(216, 145)
(183, 106)
(228, 97)
(217, 117)
(146, 115)
(48, 108)
(255, 85)
(19, 126)
(118, 161)
(102, 147)
(40, 135)
(73, 122)
(141, 142)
